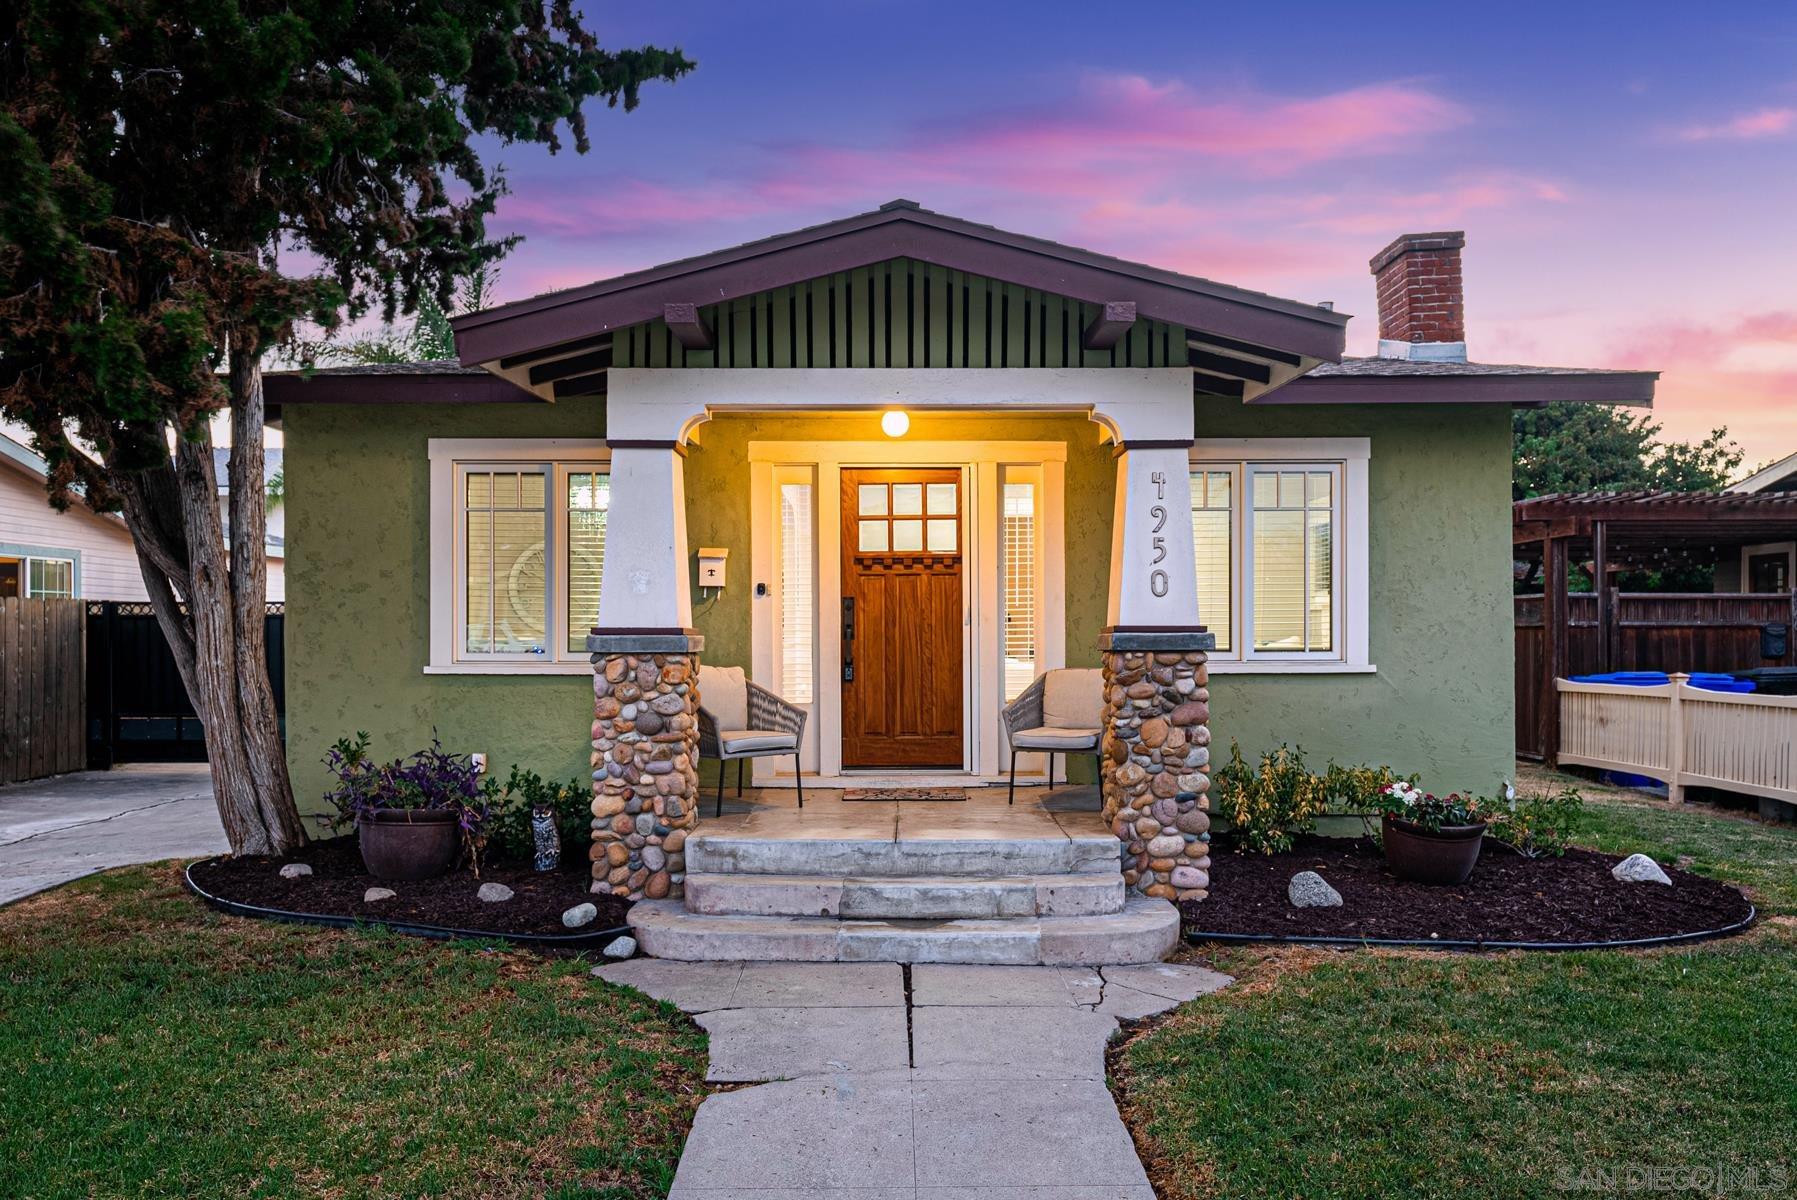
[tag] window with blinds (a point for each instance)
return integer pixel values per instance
(1267, 563)
(1213, 540)
(50, 578)
(1294, 584)
(506, 575)
(589, 499)
(1018, 552)
(798, 593)
(529, 559)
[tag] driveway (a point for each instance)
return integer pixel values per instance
(55, 830)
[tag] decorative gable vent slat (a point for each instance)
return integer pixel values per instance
(899, 313)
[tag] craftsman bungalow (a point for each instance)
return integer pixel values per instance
(896, 467)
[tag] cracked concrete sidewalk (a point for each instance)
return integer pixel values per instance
(58, 829)
(883, 1082)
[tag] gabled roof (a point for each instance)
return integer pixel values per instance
(1768, 479)
(544, 326)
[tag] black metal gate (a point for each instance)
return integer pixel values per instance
(137, 709)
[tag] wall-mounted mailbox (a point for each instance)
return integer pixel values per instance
(1775, 640)
(711, 566)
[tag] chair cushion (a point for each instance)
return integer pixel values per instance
(1073, 698)
(1055, 738)
(740, 741)
(724, 693)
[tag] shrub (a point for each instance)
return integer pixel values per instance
(1357, 789)
(1536, 825)
(509, 832)
(1269, 804)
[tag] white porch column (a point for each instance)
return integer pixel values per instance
(644, 586)
(1154, 582)
(1156, 746)
(645, 684)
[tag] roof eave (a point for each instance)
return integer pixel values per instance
(546, 321)
(1633, 388)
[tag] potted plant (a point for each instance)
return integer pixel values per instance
(1427, 838)
(411, 815)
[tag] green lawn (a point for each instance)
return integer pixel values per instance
(149, 1047)
(1368, 1073)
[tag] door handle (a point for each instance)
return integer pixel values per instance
(848, 639)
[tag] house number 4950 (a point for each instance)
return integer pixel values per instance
(1157, 578)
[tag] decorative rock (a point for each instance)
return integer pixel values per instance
(1188, 878)
(1638, 868)
(494, 893)
(580, 914)
(295, 871)
(1310, 890)
(623, 947)
(378, 893)
(1166, 846)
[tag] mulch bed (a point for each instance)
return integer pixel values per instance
(1509, 898)
(338, 881)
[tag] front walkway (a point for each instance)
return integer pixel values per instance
(58, 829)
(933, 1082)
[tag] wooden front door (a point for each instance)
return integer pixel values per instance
(903, 549)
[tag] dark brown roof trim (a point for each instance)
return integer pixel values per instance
(296, 387)
(1610, 387)
(899, 230)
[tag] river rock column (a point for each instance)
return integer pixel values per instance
(1156, 760)
(645, 765)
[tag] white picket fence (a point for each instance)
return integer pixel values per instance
(1683, 735)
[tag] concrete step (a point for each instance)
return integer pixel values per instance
(732, 853)
(916, 897)
(1145, 931)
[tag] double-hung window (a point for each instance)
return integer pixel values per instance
(1279, 530)
(517, 553)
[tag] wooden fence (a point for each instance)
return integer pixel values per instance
(1646, 631)
(43, 684)
(1683, 735)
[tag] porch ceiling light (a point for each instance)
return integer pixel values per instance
(895, 422)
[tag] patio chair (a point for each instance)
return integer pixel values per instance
(739, 719)
(1062, 712)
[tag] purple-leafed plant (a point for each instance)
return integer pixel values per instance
(433, 778)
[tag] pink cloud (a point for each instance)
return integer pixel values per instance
(1461, 197)
(1761, 123)
(1740, 372)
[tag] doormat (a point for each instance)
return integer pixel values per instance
(902, 793)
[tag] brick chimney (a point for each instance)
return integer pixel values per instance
(1422, 303)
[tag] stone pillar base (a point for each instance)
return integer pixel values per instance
(645, 762)
(1156, 756)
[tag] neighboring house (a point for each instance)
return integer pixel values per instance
(942, 458)
(1780, 476)
(43, 552)
(77, 553)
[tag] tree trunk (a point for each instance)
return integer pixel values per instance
(217, 636)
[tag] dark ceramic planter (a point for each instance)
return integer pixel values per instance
(408, 844)
(1423, 855)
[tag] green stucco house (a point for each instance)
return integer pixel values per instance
(896, 467)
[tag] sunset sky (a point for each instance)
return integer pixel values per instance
(1626, 174)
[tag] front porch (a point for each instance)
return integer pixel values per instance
(974, 880)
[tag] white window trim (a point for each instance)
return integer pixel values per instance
(1352, 456)
(560, 455)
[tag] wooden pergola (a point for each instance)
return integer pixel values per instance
(1622, 531)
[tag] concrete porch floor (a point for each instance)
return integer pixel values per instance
(1069, 810)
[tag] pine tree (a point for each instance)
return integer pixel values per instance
(160, 157)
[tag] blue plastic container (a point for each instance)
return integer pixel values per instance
(1709, 681)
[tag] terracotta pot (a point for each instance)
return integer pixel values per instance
(408, 844)
(1424, 855)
